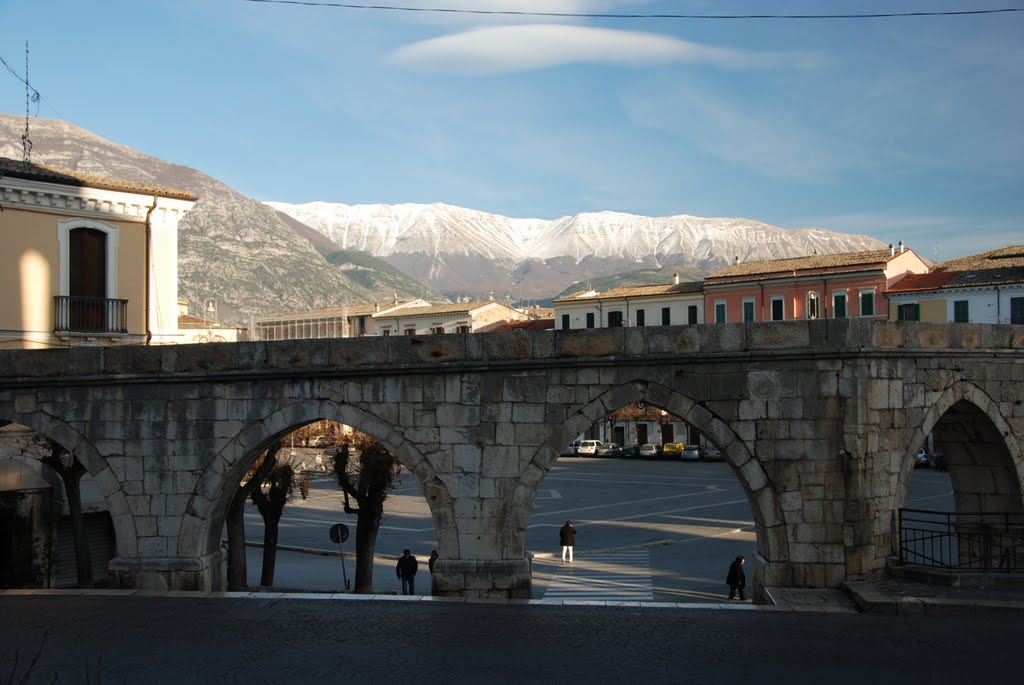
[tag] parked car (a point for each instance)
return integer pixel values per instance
(608, 449)
(321, 441)
(922, 461)
(570, 450)
(630, 452)
(672, 450)
(587, 448)
(711, 453)
(690, 453)
(648, 451)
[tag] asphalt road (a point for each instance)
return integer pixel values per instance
(678, 523)
(104, 639)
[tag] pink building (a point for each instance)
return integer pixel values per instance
(851, 284)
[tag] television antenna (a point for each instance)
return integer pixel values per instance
(31, 95)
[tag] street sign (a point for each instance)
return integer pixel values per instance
(339, 533)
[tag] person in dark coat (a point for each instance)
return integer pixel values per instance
(406, 571)
(431, 560)
(567, 537)
(737, 579)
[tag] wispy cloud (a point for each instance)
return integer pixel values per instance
(509, 49)
(770, 141)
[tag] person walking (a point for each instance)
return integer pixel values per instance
(567, 538)
(431, 560)
(737, 579)
(406, 572)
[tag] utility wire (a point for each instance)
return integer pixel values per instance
(36, 95)
(598, 15)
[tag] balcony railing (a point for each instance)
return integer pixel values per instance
(961, 541)
(99, 315)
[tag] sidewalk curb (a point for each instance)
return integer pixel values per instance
(871, 600)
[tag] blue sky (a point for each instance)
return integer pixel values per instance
(902, 128)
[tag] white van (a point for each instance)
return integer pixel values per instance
(587, 447)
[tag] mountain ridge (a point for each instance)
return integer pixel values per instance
(445, 246)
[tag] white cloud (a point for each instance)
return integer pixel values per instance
(507, 49)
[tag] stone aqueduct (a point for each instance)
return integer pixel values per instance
(818, 420)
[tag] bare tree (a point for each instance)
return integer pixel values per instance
(238, 572)
(270, 484)
(368, 482)
(270, 497)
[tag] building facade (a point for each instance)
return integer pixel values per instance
(836, 286)
(669, 304)
(87, 260)
(461, 317)
(349, 321)
(981, 288)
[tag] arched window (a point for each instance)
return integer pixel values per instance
(88, 276)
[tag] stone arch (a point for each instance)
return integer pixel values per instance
(1000, 470)
(201, 529)
(96, 464)
(764, 503)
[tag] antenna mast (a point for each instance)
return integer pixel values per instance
(26, 142)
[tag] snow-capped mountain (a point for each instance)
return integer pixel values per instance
(451, 248)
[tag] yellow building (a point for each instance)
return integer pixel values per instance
(86, 259)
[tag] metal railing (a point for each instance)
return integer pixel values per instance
(965, 541)
(73, 314)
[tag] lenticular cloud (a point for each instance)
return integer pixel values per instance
(505, 49)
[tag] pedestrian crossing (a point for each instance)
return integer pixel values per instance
(610, 576)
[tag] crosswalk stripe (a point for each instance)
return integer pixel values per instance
(604, 577)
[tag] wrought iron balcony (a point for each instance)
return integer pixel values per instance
(99, 315)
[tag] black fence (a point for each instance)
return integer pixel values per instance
(961, 541)
(89, 315)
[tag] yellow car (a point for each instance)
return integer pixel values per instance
(672, 450)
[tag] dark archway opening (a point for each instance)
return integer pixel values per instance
(974, 520)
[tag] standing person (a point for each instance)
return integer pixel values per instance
(406, 571)
(567, 537)
(737, 579)
(431, 560)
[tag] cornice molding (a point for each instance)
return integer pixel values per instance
(17, 193)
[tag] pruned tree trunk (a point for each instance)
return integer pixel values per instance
(367, 525)
(270, 492)
(270, 524)
(368, 485)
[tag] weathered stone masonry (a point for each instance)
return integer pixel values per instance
(818, 420)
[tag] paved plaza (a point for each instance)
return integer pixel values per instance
(110, 638)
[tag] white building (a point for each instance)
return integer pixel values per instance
(981, 288)
(670, 304)
(462, 317)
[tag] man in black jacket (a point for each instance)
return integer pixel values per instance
(737, 579)
(406, 571)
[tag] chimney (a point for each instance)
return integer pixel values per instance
(675, 279)
(891, 251)
(902, 248)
